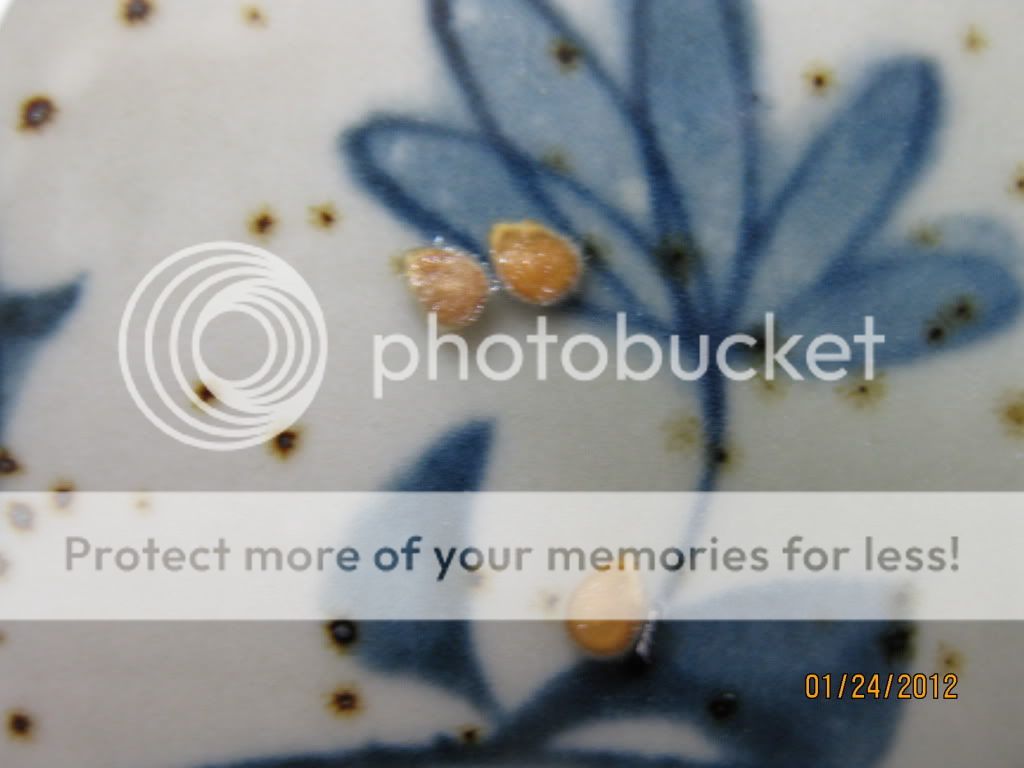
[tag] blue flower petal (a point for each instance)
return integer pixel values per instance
(534, 82)
(446, 183)
(692, 62)
(924, 300)
(851, 178)
(26, 319)
(439, 652)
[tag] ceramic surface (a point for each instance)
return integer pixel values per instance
(821, 160)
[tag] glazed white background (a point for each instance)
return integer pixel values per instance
(172, 134)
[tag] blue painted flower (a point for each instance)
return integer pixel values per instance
(663, 169)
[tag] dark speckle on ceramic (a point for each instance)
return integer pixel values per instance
(254, 15)
(1017, 186)
(263, 223)
(203, 392)
(286, 443)
(134, 12)
(975, 39)
(820, 79)
(723, 706)
(9, 465)
(567, 55)
(897, 643)
(342, 633)
(21, 725)
(63, 494)
(1011, 414)
(324, 216)
(864, 393)
(345, 701)
(37, 112)
(950, 659)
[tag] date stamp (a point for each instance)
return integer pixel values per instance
(902, 686)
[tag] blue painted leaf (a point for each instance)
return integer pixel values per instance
(693, 75)
(446, 183)
(26, 319)
(850, 180)
(439, 652)
(532, 79)
(765, 719)
(924, 301)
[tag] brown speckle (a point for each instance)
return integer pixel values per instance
(324, 216)
(566, 54)
(975, 40)
(770, 389)
(345, 701)
(263, 223)
(926, 236)
(342, 633)
(134, 12)
(935, 334)
(682, 433)
(63, 494)
(20, 725)
(721, 455)
(594, 249)
(897, 643)
(863, 393)
(820, 79)
(21, 516)
(950, 659)
(8, 464)
(1017, 183)
(254, 16)
(285, 443)
(723, 706)
(677, 255)
(203, 392)
(470, 735)
(961, 311)
(557, 160)
(1011, 414)
(37, 112)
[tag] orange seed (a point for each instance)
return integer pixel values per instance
(448, 282)
(607, 612)
(535, 264)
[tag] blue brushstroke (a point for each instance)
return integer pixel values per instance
(437, 652)
(26, 320)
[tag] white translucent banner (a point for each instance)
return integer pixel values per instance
(511, 556)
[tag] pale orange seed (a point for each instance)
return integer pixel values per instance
(534, 263)
(448, 282)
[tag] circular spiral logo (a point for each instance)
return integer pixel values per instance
(160, 346)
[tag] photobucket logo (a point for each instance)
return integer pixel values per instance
(160, 346)
(825, 357)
